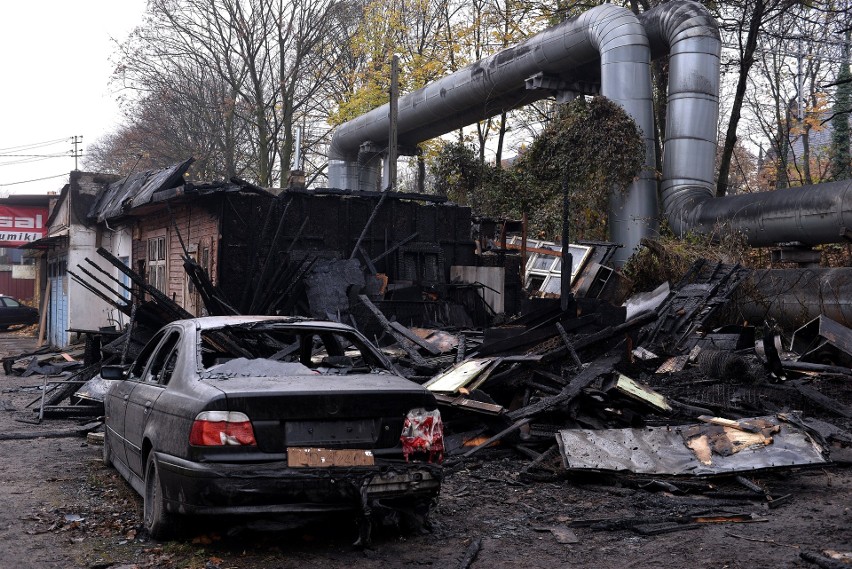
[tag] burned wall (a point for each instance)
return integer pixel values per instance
(330, 226)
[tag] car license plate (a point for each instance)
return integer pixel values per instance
(299, 457)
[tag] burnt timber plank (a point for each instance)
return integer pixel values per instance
(572, 390)
(404, 342)
(429, 347)
(823, 401)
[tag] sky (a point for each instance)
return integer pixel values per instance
(55, 69)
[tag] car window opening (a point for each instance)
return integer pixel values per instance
(285, 352)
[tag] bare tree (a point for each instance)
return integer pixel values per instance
(267, 59)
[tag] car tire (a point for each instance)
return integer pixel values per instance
(159, 523)
(107, 452)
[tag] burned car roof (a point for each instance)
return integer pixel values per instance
(214, 322)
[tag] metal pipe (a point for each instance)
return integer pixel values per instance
(690, 36)
(794, 297)
(808, 215)
(606, 42)
(612, 42)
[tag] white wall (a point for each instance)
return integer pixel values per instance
(87, 310)
(492, 277)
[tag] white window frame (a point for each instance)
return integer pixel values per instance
(157, 257)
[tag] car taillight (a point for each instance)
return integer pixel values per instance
(423, 433)
(222, 428)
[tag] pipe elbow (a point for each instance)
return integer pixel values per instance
(612, 27)
(681, 206)
(669, 24)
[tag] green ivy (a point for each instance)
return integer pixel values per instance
(590, 148)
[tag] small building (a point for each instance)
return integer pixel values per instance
(254, 246)
(23, 220)
(70, 237)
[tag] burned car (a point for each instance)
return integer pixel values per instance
(262, 416)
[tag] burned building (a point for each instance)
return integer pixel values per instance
(396, 247)
(298, 252)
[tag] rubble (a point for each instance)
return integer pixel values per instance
(672, 386)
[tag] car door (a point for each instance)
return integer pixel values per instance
(140, 406)
(11, 312)
(115, 407)
(117, 398)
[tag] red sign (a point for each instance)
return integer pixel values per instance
(22, 224)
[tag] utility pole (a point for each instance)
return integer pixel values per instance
(394, 112)
(77, 152)
(800, 82)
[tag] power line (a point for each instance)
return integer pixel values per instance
(33, 180)
(64, 155)
(26, 161)
(33, 145)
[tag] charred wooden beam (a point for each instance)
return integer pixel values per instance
(508, 430)
(469, 404)
(471, 553)
(88, 286)
(369, 223)
(394, 247)
(112, 278)
(261, 287)
(156, 294)
(534, 335)
(817, 398)
(572, 390)
(254, 261)
(605, 334)
(429, 347)
(294, 278)
(568, 345)
(403, 342)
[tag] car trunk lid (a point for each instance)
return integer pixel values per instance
(359, 411)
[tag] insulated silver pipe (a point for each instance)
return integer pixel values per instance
(690, 36)
(570, 52)
(808, 215)
(794, 297)
(607, 34)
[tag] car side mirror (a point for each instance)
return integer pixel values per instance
(113, 372)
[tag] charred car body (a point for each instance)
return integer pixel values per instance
(269, 416)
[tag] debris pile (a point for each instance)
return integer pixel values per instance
(659, 374)
(664, 372)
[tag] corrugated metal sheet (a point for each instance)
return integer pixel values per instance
(135, 190)
(697, 450)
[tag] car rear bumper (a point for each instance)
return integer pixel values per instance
(275, 488)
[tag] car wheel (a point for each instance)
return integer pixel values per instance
(107, 452)
(158, 522)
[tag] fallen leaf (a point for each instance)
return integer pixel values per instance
(564, 534)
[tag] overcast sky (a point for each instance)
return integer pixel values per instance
(55, 69)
